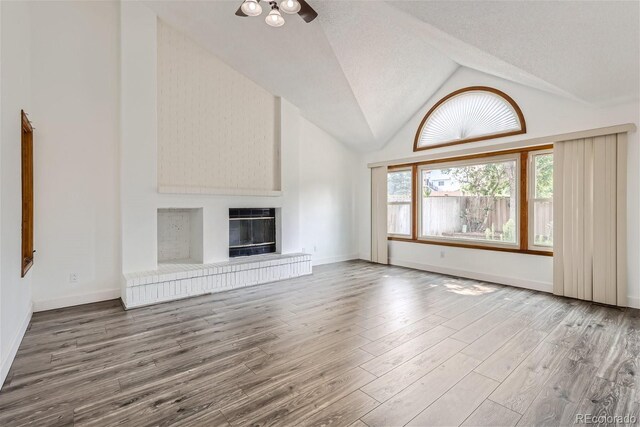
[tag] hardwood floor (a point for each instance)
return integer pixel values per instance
(355, 344)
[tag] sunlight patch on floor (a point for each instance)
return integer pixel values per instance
(470, 290)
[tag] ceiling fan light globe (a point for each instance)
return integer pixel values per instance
(251, 8)
(274, 18)
(290, 6)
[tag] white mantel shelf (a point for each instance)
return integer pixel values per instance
(164, 189)
(176, 281)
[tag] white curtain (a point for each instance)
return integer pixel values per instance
(379, 215)
(589, 219)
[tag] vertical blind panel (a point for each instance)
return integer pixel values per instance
(379, 252)
(612, 195)
(589, 219)
(580, 221)
(587, 202)
(571, 215)
(611, 219)
(558, 218)
(621, 214)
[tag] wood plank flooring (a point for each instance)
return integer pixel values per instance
(355, 344)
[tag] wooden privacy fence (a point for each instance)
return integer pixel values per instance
(398, 218)
(445, 215)
(543, 219)
(450, 214)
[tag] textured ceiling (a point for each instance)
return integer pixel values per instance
(390, 70)
(363, 68)
(588, 48)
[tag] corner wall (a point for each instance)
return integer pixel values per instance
(15, 86)
(75, 85)
(545, 114)
(327, 196)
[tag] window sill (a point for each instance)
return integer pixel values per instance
(399, 236)
(472, 246)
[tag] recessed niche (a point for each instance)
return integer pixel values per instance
(180, 236)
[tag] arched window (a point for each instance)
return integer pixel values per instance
(470, 114)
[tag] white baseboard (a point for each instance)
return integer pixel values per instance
(71, 300)
(331, 260)
(633, 302)
(504, 280)
(365, 257)
(6, 363)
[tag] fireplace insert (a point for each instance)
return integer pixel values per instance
(252, 231)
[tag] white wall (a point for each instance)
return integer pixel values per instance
(290, 175)
(75, 86)
(327, 196)
(15, 86)
(2, 375)
(138, 181)
(545, 115)
(138, 130)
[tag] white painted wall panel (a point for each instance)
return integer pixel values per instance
(327, 193)
(216, 128)
(75, 63)
(15, 292)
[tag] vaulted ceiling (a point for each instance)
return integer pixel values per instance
(363, 68)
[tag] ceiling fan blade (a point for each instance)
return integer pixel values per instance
(306, 11)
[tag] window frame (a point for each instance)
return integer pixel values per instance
(493, 91)
(410, 203)
(523, 182)
(531, 199)
(470, 162)
(26, 144)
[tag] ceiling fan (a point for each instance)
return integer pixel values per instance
(274, 18)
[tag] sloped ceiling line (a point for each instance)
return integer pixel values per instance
(364, 68)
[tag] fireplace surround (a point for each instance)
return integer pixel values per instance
(181, 272)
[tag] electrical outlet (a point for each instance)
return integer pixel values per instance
(315, 249)
(441, 254)
(73, 278)
(302, 250)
